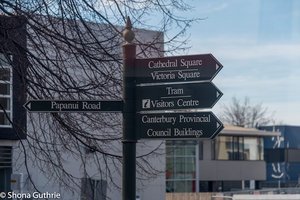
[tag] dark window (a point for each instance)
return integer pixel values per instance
(293, 155)
(274, 155)
(92, 189)
(5, 168)
(200, 150)
(6, 82)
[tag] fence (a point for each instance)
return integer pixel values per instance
(193, 196)
(276, 193)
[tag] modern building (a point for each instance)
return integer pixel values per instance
(21, 168)
(282, 155)
(232, 161)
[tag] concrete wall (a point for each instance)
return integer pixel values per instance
(232, 170)
(228, 170)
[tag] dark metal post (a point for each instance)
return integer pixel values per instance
(129, 135)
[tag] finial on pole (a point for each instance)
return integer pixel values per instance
(128, 34)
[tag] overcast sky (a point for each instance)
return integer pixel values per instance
(258, 43)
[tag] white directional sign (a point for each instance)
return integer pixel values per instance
(177, 96)
(73, 106)
(202, 67)
(196, 125)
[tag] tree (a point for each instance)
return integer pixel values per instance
(73, 52)
(245, 114)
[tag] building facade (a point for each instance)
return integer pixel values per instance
(282, 154)
(13, 65)
(234, 160)
(19, 170)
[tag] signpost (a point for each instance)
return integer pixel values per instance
(202, 67)
(73, 106)
(178, 126)
(177, 96)
(162, 85)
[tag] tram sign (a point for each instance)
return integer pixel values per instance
(172, 126)
(202, 67)
(73, 106)
(177, 96)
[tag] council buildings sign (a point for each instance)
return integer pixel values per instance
(204, 125)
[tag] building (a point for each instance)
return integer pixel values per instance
(12, 95)
(282, 154)
(233, 161)
(20, 168)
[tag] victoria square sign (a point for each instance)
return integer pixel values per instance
(203, 67)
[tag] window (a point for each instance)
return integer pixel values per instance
(181, 166)
(92, 189)
(5, 90)
(253, 148)
(5, 167)
(238, 148)
(5, 156)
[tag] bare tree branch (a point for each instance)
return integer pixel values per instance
(244, 114)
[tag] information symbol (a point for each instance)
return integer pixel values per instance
(146, 103)
(2, 195)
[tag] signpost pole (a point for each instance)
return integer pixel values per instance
(129, 135)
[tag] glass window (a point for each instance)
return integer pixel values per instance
(261, 148)
(253, 148)
(4, 74)
(5, 91)
(238, 148)
(224, 149)
(4, 88)
(180, 166)
(93, 189)
(200, 144)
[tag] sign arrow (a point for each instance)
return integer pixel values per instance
(28, 105)
(73, 106)
(177, 96)
(170, 126)
(202, 67)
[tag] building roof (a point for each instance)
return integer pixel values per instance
(241, 131)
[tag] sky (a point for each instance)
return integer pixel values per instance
(258, 44)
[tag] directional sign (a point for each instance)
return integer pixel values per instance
(177, 96)
(203, 67)
(170, 126)
(73, 106)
